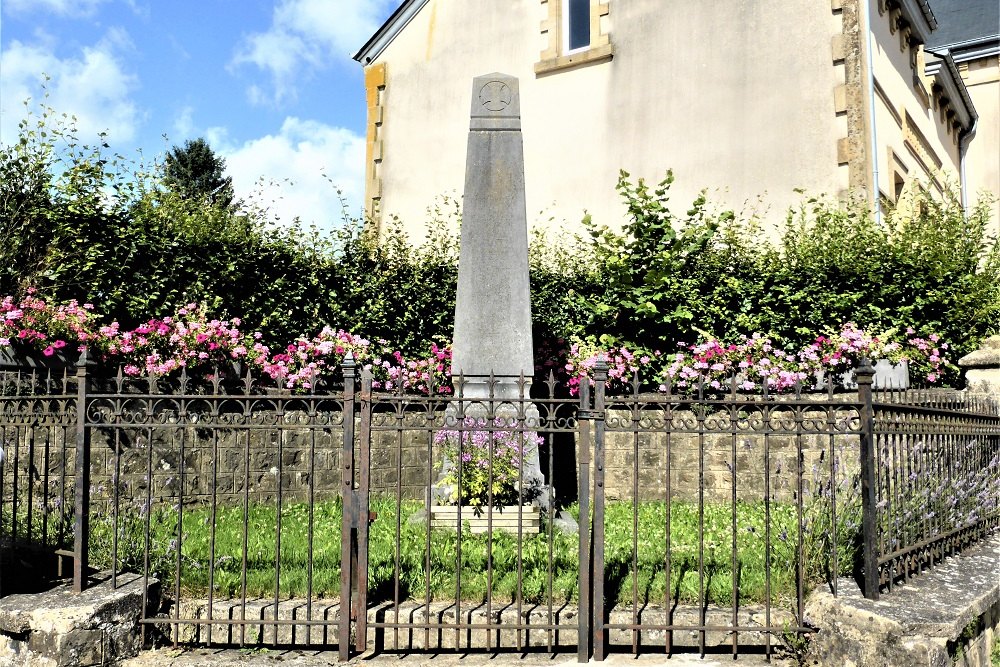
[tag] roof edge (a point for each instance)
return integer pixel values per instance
(946, 72)
(971, 49)
(384, 36)
(921, 17)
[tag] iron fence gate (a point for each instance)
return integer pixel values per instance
(469, 566)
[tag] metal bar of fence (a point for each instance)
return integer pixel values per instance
(668, 636)
(733, 421)
(700, 416)
(869, 510)
(583, 464)
(598, 627)
(634, 415)
(81, 507)
(15, 495)
(348, 545)
(364, 488)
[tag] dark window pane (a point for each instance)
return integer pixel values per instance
(579, 24)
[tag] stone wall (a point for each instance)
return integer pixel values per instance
(308, 460)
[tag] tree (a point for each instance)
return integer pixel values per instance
(195, 172)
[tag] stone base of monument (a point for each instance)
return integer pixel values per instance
(533, 488)
(506, 519)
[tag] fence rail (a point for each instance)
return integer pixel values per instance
(511, 520)
(937, 479)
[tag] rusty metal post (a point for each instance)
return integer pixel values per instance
(869, 510)
(598, 630)
(348, 544)
(363, 517)
(584, 420)
(81, 509)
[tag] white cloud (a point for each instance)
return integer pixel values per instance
(304, 36)
(91, 85)
(60, 7)
(295, 163)
(184, 123)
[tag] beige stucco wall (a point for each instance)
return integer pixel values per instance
(912, 140)
(982, 159)
(736, 97)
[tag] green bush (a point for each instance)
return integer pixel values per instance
(81, 224)
(936, 270)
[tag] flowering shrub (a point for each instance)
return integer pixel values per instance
(622, 365)
(301, 363)
(844, 349)
(715, 366)
(191, 339)
(756, 362)
(491, 458)
(48, 327)
(926, 355)
(425, 376)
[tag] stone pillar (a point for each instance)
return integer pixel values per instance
(493, 356)
(493, 304)
(982, 368)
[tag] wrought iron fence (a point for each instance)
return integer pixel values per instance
(515, 519)
(936, 479)
(475, 552)
(228, 493)
(38, 467)
(735, 506)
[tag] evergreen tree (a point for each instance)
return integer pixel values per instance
(195, 172)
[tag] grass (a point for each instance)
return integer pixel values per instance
(480, 558)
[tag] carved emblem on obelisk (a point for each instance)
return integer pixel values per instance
(495, 95)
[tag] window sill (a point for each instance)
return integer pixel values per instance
(592, 56)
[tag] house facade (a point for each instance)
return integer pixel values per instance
(754, 101)
(969, 34)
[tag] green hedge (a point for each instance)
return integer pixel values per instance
(660, 279)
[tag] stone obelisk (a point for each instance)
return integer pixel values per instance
(493, 304)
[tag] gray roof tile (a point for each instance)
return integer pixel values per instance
(962, 21)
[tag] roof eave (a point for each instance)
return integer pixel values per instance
(378, 42)
(921, 18)
(972, 49)
(945, 72)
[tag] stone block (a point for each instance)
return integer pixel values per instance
(61, 629)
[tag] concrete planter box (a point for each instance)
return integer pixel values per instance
(504, 518)
(887, 376)
(18, 356)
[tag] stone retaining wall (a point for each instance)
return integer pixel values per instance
(308, 461)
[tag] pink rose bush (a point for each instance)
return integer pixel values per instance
(715, 366)
(623, 364)
(193, 340)
(756, 362)
(189, 339)
(49, 328)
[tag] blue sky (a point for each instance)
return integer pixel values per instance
(270, 84)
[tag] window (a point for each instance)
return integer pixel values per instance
(575, 33)
(576, 25)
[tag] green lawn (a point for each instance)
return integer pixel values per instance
(534, 557)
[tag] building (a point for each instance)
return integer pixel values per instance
(754, 101)
(969, 33)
